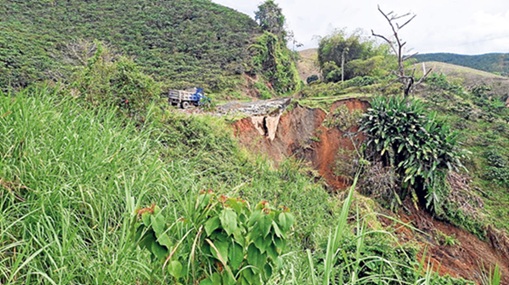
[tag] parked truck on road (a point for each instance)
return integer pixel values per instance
(185, 99)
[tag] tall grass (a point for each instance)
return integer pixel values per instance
(71, 179)
(68, 176)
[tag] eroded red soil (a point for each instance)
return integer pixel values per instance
(301, 133)
(467, 257)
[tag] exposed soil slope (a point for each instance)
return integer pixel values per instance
(300, 133)
(465, 256)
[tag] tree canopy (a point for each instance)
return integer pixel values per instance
(352, 55)
(271, 19)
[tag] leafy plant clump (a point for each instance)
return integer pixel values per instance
(224, 241)
(419, 147)
(274, 61)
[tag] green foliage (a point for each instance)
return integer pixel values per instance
(72, 175)
(114, 82)
(497, 169)
(23, 58)
(67, 174)
(361, 57)
(446, 240)
(274, 61)
(479, 114)
(342, 118)
(182, 43)
(367, 256)
(419, 147)
(438, 81)
(271, 19)
(224, 241)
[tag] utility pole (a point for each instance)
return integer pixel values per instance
(345, 50)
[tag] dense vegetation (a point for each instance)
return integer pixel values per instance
(479, 118)
(419, 148)
(75, 176)
(342, 56)
(492, 62)
(182, 43)
(102, 183)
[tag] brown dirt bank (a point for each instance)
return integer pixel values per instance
(300, 133)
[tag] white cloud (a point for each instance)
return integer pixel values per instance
(469, 27)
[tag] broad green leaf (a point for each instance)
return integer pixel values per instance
(239, 236)
(211, 225)
(255, 216)
(274, 251)
(255, 257)
(267, 270)
(221, 247)
(147, 240)
(159, 251)
(264, 225)
(175, 269)
(165, 240)
(158, 223)
(145, 218)
(236, 256)
(228, 219)
(262, 243)
(277, 231)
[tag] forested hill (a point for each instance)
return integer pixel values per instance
(491, 62)
(179, 42)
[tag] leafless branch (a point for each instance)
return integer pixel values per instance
(397, 46)
(401, 27)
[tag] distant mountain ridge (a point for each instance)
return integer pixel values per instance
(491, 62)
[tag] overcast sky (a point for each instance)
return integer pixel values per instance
(456, 26)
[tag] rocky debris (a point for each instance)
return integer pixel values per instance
(300, 133)
(255, 108)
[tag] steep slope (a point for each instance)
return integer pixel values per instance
(307, 133)
(491, 62)
(307, 64)
(181, 42)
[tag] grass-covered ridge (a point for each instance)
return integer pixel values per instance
(491, 62)
(182, 43)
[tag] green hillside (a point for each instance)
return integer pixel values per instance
(491, 62)
(182, 43)
(101, 182)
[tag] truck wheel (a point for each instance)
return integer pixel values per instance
(185, 105)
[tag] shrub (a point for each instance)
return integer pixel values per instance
(419, 147)
(221, 241)
(498, 166)
(114, 81)
(274, 61)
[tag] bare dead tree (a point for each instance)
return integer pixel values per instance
(397, 46)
